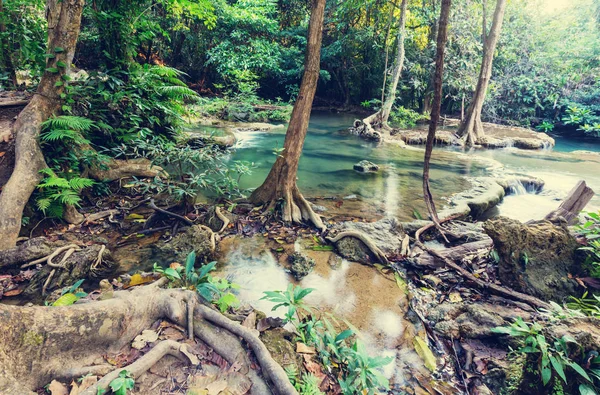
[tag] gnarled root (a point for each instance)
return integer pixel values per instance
(38, 344)
(223, 219)
(376, 251)
(294, 208)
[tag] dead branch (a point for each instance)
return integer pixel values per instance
(575, 201)
(469, 276)
(169, 213)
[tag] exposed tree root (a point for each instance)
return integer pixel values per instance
(223, 219)
(169, 213)
(139, 367)
(376, 251)
(99, 215)
(531, 300)
(117, 169)
(48, 259)
(38, 344)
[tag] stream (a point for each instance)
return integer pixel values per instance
(363, 296)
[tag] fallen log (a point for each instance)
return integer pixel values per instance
(572, 205)
(479, 248)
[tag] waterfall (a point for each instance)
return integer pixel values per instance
(516, 187)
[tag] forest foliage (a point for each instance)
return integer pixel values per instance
(545, 68)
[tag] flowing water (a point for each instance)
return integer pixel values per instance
(361, 294)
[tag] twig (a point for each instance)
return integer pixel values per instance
(160, 210)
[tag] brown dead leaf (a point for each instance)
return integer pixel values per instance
(175, 265)
(250, 321)
(302, 348)
(187, 352)
(86, 382)
(171, 333)
(314, 368)
(213, 381)
(13, 292)
(58, 388)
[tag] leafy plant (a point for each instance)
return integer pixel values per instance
(587, 305)
(70, 295)
(545, 126)
(358, 372)
(210, 288)
(122, 384)
(552, 360)
(591, 231)
(57, 191)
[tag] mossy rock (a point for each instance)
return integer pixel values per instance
(535, 258)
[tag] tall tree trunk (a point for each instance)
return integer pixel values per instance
(5, 49)
(280, 184)
(471, 128)
(64, 20)
(380, 118)
(428, 96)
(387, 50)
(436, 106)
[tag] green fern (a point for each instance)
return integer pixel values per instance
(70, 122)
(176, 92)
(55, 192)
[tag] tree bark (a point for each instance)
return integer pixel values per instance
(40, 343)
(64, 20)
(572, 205)
(380, 118)
(436, 106)
(280, 184)
(471, 128)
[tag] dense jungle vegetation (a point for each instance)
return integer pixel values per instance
(135, 257)
(544, 71)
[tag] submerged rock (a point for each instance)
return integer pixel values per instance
(196, 238)
(301, 265)
(364, 166)
(535, 258)
(387, 234)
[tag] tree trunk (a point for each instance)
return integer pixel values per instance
(471, 128)
(7, 63)
(380, 118)
(436, 106)
(281, 181)
(387, 50)
(64, 20)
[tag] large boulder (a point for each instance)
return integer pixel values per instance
(535, 258)
(387, 234)
(196, 238)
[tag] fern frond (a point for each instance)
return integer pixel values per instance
(176, 92)
(57, 182)
(63, 134)
(79, 183)
(67, 196)
(55, 210)
(69, 122)
(43, 204)
(166, 71)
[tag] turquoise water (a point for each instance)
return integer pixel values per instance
(326, 174)
(328, 157)
(566, 143)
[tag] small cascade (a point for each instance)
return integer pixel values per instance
(509, 143)
(516, 187)
(546, 145)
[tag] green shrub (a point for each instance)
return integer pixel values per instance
(359, 373)
(405, 118)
